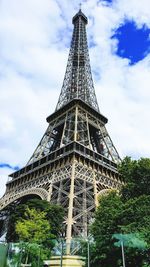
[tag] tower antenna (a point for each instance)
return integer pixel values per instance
(80, 6)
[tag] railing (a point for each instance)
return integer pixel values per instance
(16, 254)
(73, 147)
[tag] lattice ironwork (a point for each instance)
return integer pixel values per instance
(76, 159)
(74, 184)
(78, 124)
(78, 81)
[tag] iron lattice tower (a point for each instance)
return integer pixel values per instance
(78, 81)
(75, 160)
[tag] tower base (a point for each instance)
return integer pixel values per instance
(67, 261)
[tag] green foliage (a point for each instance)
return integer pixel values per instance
(105, 225)
(15, 213)
(24, 252)
(35, 228)
(36, 223)
(35, 231)
(136, 175)
(135, 217)
(127, 214)
(54, 214)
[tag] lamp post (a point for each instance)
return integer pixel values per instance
(39, 256)
(123, 256)
(120, 243)
(88, 250)
(62, 248)
(87, 239)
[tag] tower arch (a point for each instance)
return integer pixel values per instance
(7, 200)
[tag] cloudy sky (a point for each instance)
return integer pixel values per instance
(35, 37)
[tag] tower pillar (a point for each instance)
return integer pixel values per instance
(70, 210)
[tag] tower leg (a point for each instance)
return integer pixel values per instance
(49, 193)
(70, 211)
(95, 191)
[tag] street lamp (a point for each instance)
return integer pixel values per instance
(122, 250)
(39, 256)
(120, 243)
(88, 250)
(87, 239)
(62, 248)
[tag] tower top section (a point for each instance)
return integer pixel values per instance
(78, 82)
(79, 15)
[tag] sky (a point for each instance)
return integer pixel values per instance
(35, 38)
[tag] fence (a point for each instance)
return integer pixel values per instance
(30, 254)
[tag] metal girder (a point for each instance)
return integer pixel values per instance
(78, 82)
(59, 179)
(77, 124)
(76, 159)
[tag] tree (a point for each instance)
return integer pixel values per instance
(113, 216)
(136, 174)
(35, 231)
(35, 228)
(54, 214)
(105, 225)
(126, 213)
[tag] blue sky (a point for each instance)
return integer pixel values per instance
(35, 37)
(107, 1)
(7, 166)
(133, 42)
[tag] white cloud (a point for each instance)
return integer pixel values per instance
(33, 55)
(136, 10)
(4, 178)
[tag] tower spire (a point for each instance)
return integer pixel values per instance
(78, 82)
(80, 5)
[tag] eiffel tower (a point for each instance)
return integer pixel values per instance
(76, 159)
